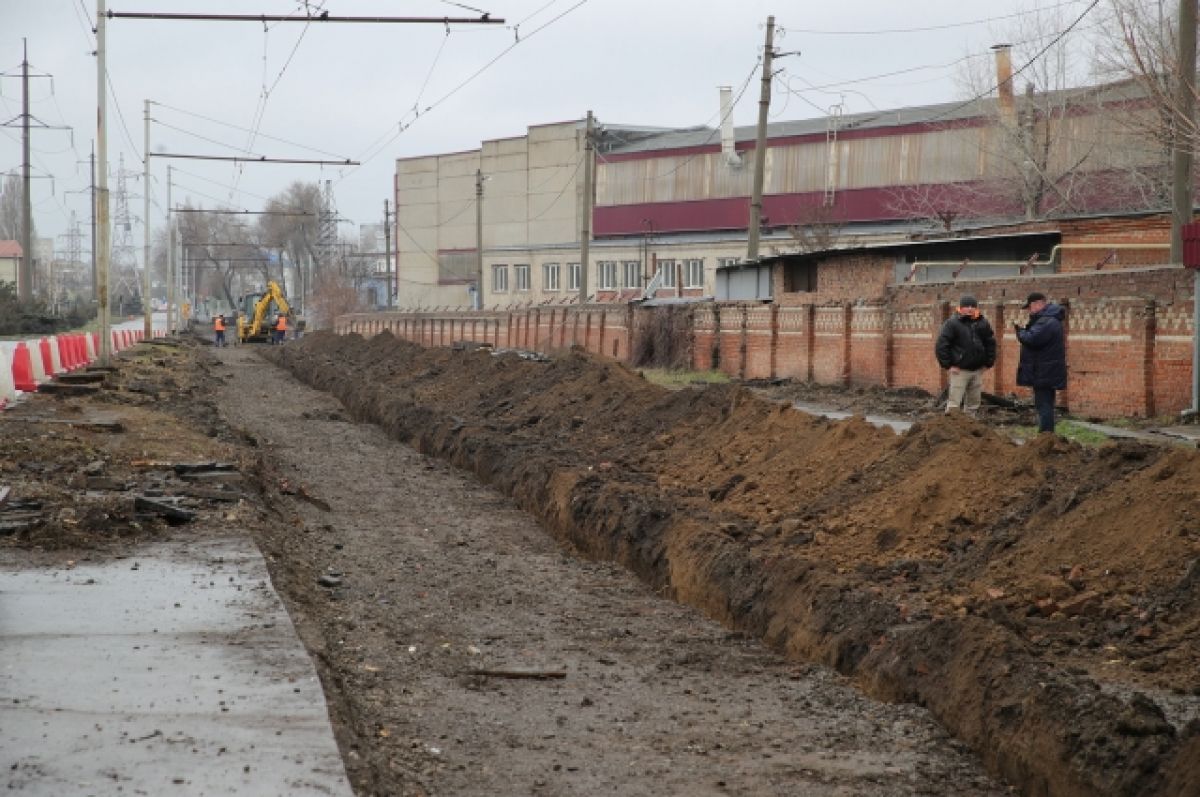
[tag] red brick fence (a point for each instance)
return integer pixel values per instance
(1129, 336)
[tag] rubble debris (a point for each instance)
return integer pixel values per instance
(165, 509)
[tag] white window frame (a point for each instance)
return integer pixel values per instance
(607, 275)
(551, 277)
(693, 272)
(631, 273)
(572, 276)
(521, 276)
(500, 278)
(667, 269)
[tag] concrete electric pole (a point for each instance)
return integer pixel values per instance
(585, 230)
(147, 306)
(478, 239)
(387, 252)
(25, 283)
(760, 145)
(102, 221)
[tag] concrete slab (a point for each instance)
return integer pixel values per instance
(175, 672)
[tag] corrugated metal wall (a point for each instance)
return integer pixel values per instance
(964, 154)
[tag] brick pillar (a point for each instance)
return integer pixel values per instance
(1063, 399)
(774, 308)
(847, 342)
(992, 380)
(810, 339)
(889, 346)
(742, 341)
(1144, 331)
(940, 314)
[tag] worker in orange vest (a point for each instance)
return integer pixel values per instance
(280, 328)
(219, 330)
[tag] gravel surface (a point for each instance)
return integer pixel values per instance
(466, 652)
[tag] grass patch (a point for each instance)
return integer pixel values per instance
(1069, 430)
(676, 379)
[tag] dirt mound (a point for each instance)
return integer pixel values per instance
(1042, 599)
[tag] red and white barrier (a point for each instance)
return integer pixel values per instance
(8, 387)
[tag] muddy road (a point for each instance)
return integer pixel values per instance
(466, 652)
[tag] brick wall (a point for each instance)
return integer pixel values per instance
(1129, 336)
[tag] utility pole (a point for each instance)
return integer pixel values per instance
(760, 145)
(585, 231)
(1182, 140)
(93, 192)
(103, 238)
(387, 250)
(479, 239)
(26, 280)
(1181, 170)
(171, 312)
(147, 309)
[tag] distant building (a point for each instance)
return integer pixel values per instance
(671, 207)
(10, 262)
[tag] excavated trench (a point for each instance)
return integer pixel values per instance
(1042, 601)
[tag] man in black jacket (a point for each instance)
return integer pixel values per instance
(1043, 364)
(966, 347)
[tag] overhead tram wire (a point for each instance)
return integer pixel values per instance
(243, 129)
(367, 158)
(931, 28)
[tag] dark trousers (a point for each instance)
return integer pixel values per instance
(1043, 401)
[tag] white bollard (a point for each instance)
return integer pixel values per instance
(8, 388)
(56, 366)
(41, 374)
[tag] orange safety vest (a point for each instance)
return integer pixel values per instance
(281, 324)
(218, 325)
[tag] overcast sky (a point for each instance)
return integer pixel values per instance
(344, 91)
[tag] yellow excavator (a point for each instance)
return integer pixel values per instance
(257, 308)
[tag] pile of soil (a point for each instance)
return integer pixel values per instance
(1042, 600)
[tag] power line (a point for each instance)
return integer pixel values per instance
(1059, 37)
(403, 127)
(928, 28)
(243, 129)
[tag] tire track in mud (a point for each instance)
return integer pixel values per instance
(441, 576)
(545, 434)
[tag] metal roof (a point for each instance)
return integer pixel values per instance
(621, 140)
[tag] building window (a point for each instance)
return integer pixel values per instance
(608, 275)
(633, 273)
(667, 269)
(572, 276)
(693, 273)
(550, 277)
(499, 279)
(522, 272)
(799, 277)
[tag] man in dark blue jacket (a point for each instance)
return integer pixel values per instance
(966, 347)
(1043, 364)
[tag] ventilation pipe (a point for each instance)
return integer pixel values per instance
(1004, 85)
(728, 152)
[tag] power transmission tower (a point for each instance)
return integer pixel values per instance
(327, 231)
(123, 261)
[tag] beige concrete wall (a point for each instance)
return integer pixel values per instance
(9, 269)
(531, 203)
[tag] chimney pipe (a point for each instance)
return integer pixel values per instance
(728, 152)
(1004, 85)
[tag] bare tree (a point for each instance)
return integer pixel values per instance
(289, 230)
(11, 212)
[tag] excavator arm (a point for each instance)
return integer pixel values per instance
(253, 328)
